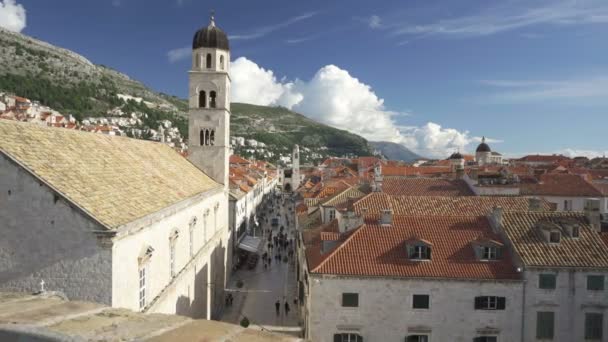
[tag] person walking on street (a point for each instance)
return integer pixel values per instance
(277, 306)
(286, 308)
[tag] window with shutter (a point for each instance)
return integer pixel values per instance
(593, 326)
(350, 300)
(595, 282)
(544, 324)
(347, 337)
(490, 303)
(546, 281)
(485, 339)
(420, 301)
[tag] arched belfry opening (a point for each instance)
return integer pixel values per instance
(202, 99)
(208, 61)
(212, 138)
(202, 137)
(212, 96)
(222, 62)
(206, 137)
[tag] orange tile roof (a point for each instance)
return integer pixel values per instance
(556, 184)
(543, 158)
(415, 171)
(425, 187)
(586, 251)
(236, 159)
(375, 202)
(377, 250)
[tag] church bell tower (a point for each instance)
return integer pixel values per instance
(209, 103)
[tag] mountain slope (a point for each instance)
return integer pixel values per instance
(71, 84)
(395, 151)
(278, 126)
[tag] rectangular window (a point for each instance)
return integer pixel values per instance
(420, 252)
(593, 326)
(490, 303)
(575, 232)
(595, 282)
(142, 287)
(417, 338)
(172, 257)
(546, 281)
(554, 237)
(332, 214)
(350, 300)
(420, 301)
(544, 324)
(489, 253)
(485, 339)
(347, 337)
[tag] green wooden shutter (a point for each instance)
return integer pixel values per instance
(544, 324)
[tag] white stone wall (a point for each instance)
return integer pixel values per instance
(570, 300)
(187, 292)
(43, 237)
(385, 309)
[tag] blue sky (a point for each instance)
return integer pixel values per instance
(433, 75)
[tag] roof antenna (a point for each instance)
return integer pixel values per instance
(212, 23)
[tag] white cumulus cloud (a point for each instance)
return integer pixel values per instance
(334, 97)
(12, 15)
(179, 54)
(255, 85)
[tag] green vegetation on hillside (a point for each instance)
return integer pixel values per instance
(278, 126)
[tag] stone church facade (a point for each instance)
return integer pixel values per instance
(123, 222)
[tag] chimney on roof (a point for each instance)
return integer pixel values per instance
(497, 216)
(386, 217)
(534, 204)
(592, 213)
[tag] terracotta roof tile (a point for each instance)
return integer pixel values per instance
(376, 250)
(425, 187)
(586, 251)
(375, 202)
(554, 184)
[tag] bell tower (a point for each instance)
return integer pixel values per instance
(209, 103)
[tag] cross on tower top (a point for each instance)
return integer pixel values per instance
(212, 20)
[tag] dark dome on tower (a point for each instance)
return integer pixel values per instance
(483, 147)
(210, 37)
(456, 155)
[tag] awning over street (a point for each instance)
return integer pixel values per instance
(250, 244)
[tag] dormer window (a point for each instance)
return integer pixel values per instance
(552, 231)
(555, 236)
(488, 249)
(489, 253)
(419, 252)
(575, 233)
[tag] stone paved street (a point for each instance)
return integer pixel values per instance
(263, 287)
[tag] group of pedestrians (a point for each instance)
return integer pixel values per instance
(277, 306)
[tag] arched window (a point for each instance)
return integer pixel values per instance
(197, 60)
(212, 138)
(208, 61)
(202, 99)
(212, 96)
(222, 62)
(202, 137)
(206, 137)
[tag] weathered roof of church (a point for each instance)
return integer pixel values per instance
(116, 180)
